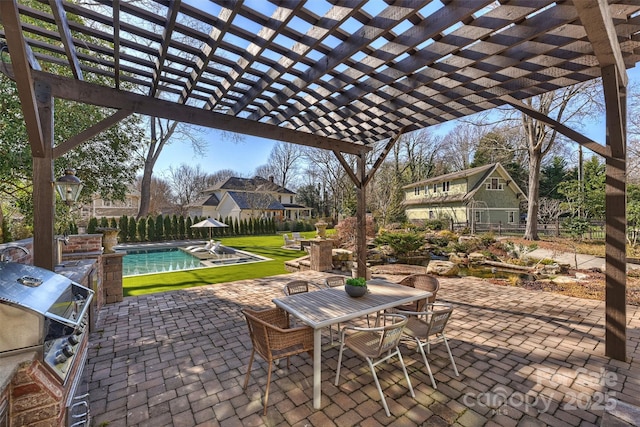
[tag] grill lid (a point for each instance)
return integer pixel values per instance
(45, 292)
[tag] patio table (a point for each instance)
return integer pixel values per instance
(326, 307)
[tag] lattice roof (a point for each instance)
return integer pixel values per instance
(355, 71)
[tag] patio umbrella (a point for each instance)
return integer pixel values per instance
(209, 223)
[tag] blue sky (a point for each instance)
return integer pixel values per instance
(245, 157)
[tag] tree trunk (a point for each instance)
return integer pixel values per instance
(535, 160)
(145, 189)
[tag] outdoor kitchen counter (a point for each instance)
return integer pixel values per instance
(76, 270)
(10, 365)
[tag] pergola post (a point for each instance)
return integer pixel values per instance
(616, 223)
(43, 179)
(361, 217)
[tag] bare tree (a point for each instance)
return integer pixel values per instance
(284, 162)
(161, 195)
(187, 182)
(459, 145)
(569, 105)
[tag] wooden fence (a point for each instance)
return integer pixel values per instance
(596, 230)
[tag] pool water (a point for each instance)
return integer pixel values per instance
(157, 261)
(164, 260)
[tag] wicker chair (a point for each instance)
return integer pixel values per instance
(334, 281)
(424, 282)
(427, 327)
(273, 339)
(376, 345)
(296, 287)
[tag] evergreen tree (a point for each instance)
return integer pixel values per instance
(142, 229)
(132, 230)
(151, 229)
(168, 232)
(188, 229)
(159, 228)
(124, 229)
(552, 175)
(92, 225)
(181, 229)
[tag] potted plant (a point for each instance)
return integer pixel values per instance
(356, 286)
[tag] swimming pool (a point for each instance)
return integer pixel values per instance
(146, 261)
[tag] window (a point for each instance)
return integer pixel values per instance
(445, 186)
(416, 191)
(435, 188)
(512, 217)
(495, 184)
(291, 199)
(426, 189)
(478, 216)
(431, 215)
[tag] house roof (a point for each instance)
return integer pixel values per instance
(207, 200)
(485, 171)
(255, 200)
(452, 176)
(256, 183)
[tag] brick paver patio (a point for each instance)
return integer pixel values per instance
(525, 358)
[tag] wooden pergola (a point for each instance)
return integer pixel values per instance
(333, 74)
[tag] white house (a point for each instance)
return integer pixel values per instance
(244, 198)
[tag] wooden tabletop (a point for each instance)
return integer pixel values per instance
(326, 307)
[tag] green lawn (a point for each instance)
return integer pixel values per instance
(267, 246)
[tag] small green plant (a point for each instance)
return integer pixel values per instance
(356, 281)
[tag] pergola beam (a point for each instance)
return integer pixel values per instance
(93, 94)
(88, 133)
(595, 17)
(554, 124)
(615, 216)
(67, 40)
(21, 72)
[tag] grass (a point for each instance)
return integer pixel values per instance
(267, 246)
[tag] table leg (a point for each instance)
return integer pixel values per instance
(317, 367)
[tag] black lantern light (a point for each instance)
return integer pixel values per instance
(69, 186)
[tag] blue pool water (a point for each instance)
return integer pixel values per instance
(157, 261)
(163, 260)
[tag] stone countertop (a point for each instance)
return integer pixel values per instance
(76, 270)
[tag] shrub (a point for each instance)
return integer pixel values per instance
(401, 243)
(487, 239)
(347, 232)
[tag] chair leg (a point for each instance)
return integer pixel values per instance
(339, 361)
(426, 362)
(455, 369)
(375, 378)
(246, 378)
(266, 393)
(404, 369)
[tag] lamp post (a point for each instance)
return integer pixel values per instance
(69, 187)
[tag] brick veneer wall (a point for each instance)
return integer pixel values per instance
(80, 244)
(112, 277)
(36, 397)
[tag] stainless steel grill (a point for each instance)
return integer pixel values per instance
(44, 311)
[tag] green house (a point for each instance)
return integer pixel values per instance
(486, 194)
